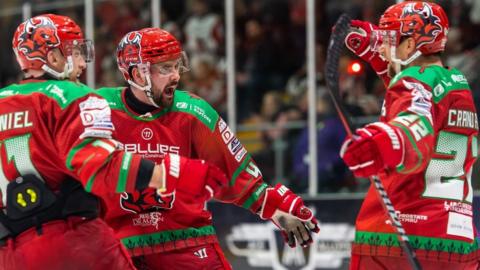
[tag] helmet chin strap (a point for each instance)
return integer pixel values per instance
(147, 89)
(65, 74)
(399, 62)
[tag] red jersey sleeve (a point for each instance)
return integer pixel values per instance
(410, 113)
(218, 145)
(83, 135)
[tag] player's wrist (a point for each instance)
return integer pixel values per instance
(379, 65)
(144, 174)
(166, 175)
(157, 180)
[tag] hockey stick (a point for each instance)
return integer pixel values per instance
(335, 46)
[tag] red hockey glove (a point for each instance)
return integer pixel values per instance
(192, 176)
(290, 215)
(358, 41)
(373, 148)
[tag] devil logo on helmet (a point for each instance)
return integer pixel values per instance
(420, 13)
(39, 33)
(129, 49)
(146, 200)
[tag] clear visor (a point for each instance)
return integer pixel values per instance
(180, 65)
(383, 38)
(80, 47)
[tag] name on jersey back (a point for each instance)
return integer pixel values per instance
(15, 120)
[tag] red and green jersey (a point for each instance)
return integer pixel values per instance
(59, 129)
(190, 128)
(431, 189)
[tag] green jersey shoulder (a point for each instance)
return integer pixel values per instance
(196, 106)
(183, 102)
(440, 80)
(63, 92)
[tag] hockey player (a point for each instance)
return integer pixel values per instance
(154, 119)
(423, 148)
(53, 130)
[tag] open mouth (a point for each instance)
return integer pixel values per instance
(168, 91)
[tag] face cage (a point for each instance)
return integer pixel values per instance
(69, 48)
(382, 39)
(83, 46)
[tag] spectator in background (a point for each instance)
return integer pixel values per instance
(466, 59)
(260, 140)
(270, 136)
(203, 30)
(332, 172)
(263, 64)
(170, 25)
(255, 61)
(207, 82)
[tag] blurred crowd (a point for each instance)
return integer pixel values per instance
(270, 47)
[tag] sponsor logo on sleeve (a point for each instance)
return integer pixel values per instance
(239, 156)
(421, 99)
(182, 105)
(227, 135)
(459, 79)
(7, 93)
(221, 125)
(56, 91)
(234, 146)
(438, 90)
(201, 112)
(96, 117)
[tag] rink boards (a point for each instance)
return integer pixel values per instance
(250, 243)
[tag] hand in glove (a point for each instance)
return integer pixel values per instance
(290, 215)
(372, 149)
(192, 176)
(358, 41)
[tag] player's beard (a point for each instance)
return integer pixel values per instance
(166, 97)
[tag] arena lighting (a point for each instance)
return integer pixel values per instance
(355, 68)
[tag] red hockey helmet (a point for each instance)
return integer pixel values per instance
(426, 22)
(35, 37)
(147, 46)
